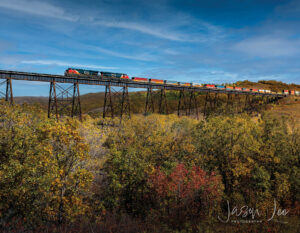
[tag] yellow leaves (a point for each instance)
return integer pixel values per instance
(151, 169)
(276, 160)
(250, 160)
(189, 148)
(48, 149)
(240, 170)
(282, 185)
(154, 137)
(44, 163)
(56, 182)
(61, 172)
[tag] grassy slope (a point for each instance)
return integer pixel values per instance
(288, 107)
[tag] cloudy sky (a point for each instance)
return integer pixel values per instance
(191, 40)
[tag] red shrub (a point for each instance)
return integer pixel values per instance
(185, 194)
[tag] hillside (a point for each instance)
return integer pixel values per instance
(289, 107)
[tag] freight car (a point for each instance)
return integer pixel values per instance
(286, 92)
(185, 84)
(171, 82)
(138, 79)
(159, 81)
(197, 85)
(229, 88)
(246, 89)
(209, 86)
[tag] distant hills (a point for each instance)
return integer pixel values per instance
(268, 85)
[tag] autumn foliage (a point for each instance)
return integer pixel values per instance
(42, 171)
(185, 194)
(158, 173)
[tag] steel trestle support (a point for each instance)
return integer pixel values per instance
(149, 106)
(182, 103)
(193, 105)
(116, 102)
(251, 102)
(7, 95)
(163, 105)
(64, 101)
(211, 101)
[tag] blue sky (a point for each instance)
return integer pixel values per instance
(194, 41)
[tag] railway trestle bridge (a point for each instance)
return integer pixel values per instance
(117, 102)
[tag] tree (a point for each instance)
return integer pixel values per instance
(136, 148)
(185, 195)
(230, 145)
(42, 174)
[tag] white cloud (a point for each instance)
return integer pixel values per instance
(269, 46)
(146, 29)
(166, 29)
(66, 64)
(39, 8)
(141, 57)
(200, 31)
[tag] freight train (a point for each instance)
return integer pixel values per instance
(91, 73)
